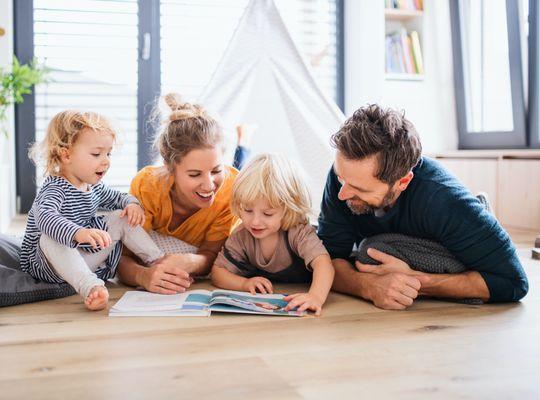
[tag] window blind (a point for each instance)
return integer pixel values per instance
(91, 48)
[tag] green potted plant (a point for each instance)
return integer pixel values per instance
(16, 83)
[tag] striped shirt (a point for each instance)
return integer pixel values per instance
(59, 211)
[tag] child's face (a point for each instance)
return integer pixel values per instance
(87, 161)
(198, 177)
(261, 219)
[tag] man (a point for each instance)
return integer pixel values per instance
(380, 184)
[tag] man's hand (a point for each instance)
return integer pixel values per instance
(388, 264)
(135, 214)
(394, 290)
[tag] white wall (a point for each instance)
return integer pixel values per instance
(7, 146)
(428, 104)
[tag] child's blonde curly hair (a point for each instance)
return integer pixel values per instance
(62, 133)
(274, 178)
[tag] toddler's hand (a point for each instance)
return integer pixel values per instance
(258, 283)
(304, 301)
(135, 214)
(95, 237)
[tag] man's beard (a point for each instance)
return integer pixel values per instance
(359, 207)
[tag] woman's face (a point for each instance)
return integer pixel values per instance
(198, 177)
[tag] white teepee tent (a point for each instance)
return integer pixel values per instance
(262, 79)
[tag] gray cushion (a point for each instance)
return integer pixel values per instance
(18, 287)
(420, 254)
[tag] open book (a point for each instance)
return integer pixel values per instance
(201, 303)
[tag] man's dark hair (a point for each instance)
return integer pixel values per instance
(386, 133)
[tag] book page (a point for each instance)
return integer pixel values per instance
(231, 301)
(134, 302)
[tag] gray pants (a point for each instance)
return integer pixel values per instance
(77, 267)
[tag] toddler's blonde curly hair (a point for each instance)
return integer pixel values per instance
(62, 133)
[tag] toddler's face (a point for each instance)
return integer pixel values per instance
(261, 219)
(87, 161)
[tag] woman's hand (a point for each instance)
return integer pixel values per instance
(95, 237)
(258, 283)
(135, 214)
(304, 301)
(164, 277)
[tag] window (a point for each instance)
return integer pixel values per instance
(534, 73)
(488, 74)
(91, 49)
(115, 57)
(195, 33)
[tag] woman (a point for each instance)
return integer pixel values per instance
(188, 198)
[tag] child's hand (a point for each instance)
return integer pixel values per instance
(135, 214)
(95, 237)
(259, 283)
(304, 301)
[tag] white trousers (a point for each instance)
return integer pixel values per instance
(77, 267)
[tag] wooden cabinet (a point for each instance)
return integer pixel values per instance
(520, 193)
(511, 179)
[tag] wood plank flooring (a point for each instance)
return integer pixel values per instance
(58, 350)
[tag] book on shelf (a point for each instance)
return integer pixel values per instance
(403, 53)
(199, 303)
(417, 52)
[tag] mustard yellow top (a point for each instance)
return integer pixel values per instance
(214, 223)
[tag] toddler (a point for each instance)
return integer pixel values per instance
(65, 241)
(275, 242)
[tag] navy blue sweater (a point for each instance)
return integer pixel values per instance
(434, 206)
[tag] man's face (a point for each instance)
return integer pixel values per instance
(362, 191)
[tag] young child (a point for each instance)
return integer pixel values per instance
(65, 240)
(275, 241)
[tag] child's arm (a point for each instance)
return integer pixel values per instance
(225, 279)
(323, 276)
(49, 220)
(112, 199)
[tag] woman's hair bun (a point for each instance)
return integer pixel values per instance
(181, 110)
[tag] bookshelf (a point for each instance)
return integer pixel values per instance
(404, 58)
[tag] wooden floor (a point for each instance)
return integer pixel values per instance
(58, 350)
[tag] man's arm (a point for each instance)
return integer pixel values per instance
(465, 285)
(475, 237)
(391, 291)
(468, 284)
(336, 229)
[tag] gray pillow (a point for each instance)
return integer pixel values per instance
(18, 287)
(420, 254)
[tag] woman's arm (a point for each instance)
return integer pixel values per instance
(201, 263)
(129, 270)
(162, 277)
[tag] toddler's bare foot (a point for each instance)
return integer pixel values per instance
(97, 299)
